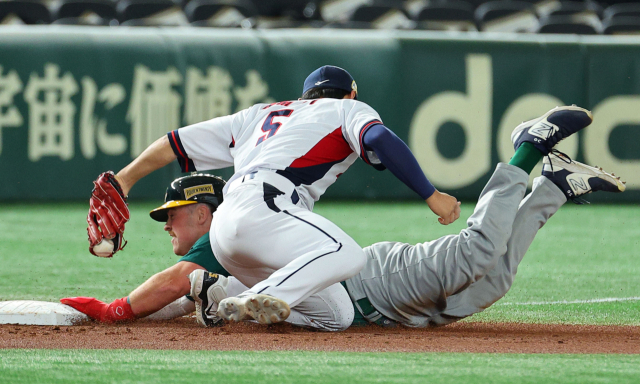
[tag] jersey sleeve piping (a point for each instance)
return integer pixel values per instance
(186, 164)
(361, 143)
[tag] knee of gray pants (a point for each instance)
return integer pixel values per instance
(329, 310)
(480, 252)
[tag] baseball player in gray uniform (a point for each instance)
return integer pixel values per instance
(455, 276)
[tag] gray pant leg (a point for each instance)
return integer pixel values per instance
(544, 200)
(409, 284)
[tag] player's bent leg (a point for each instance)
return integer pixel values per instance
(568, 179)
(320, 309)
(328, 310)
(479, 246)
(296, 254)
(409, 284)
(299, 279)
(535, 210)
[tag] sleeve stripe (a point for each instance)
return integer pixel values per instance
(362, 132)
(176, 145)
(186, 164)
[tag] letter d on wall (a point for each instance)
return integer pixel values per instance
(472, 111)
(610, 113)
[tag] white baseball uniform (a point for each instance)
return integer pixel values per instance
(285, 156)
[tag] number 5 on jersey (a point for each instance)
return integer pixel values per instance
(271, 127)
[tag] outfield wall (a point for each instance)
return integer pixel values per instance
(75, 101)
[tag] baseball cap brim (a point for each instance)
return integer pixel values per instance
(160, 213)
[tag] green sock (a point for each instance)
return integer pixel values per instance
(526, 157)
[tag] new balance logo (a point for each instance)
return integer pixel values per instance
(579, 185)
(543, 130)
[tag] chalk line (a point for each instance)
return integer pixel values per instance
(603, 300)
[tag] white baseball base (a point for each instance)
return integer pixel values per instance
(27, 312)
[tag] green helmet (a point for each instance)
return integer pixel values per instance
(192, 189)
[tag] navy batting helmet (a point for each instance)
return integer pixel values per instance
(192, 189)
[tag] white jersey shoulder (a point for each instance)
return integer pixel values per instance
(311, 142)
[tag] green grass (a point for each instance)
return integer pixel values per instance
(135, 366)
(583, 253)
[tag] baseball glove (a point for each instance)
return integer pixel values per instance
(108, 212)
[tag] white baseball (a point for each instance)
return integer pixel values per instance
(103, 248)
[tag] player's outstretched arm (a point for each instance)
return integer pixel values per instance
(445, 206)
(154, 294)
(162, 289)
(156, 156)
(397, 157)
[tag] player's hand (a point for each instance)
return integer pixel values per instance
(108, 212)
(445, 206)
(118, 310)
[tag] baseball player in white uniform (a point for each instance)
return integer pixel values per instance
(285, 156)
(455, 276)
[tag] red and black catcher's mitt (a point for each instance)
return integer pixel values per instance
(108, 212)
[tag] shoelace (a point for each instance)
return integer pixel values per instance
(560, 155)
(566, 159)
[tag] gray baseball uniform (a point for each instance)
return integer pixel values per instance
(455, 276)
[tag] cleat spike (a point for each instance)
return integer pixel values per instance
(262, 308)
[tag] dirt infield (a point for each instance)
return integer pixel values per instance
(185, 334)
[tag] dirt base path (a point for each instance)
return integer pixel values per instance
(185, 334)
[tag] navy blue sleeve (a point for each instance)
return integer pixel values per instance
(397, 157)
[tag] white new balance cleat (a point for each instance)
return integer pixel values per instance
(549, 129)
(264, 309)
(576, 179)
(208, 290)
